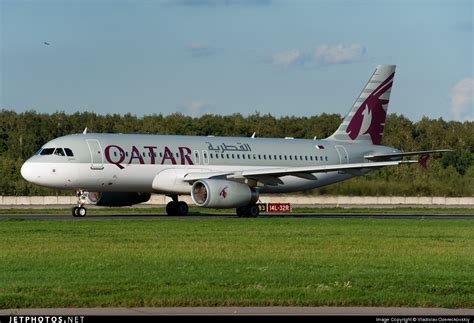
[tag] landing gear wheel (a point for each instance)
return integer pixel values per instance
(240, 212)
(81, 211)
(171, 208)
(182, 208)
(175, 208)
(253, 211)
(248, 211)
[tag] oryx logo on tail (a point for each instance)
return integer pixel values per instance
(370, 117)
(366, 119)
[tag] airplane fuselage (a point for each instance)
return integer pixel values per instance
(155, 163)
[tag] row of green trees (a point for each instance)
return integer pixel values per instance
(21, 134)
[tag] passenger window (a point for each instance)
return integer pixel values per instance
(59, 152)
(68, 152)
(326, 158)
(47, 151)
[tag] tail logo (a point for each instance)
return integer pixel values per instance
(370, 117)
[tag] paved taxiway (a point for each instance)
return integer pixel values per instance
(276, 310)
(200, 215)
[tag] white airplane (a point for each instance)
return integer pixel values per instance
(218, 172)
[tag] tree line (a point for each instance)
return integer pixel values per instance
(21, 134)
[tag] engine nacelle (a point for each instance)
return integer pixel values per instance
(219, 193)
(117, 198)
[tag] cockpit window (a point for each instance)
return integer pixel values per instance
(47, 151)
(68, 152)
(59, 152)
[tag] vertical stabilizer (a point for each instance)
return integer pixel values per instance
(366, 120)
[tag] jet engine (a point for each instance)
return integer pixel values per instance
(219, 193)
(116, 198)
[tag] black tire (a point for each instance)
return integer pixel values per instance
(74, 211)
(253, 210)
(81, 212)
(240, 212)
(171, 208)
(182, 208)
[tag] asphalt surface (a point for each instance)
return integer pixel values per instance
(276, 310)
(92, 216)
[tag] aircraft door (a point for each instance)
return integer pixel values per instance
(196, 158)
(343, 156)
(205, 157)
(97, 159)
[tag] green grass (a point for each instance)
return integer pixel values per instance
(230, 261)
(197, 210)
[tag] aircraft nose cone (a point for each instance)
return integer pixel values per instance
(27, 172)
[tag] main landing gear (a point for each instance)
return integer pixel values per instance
(248, 211)
(177, 208)
(79, 210)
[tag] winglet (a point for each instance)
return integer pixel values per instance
(85, 131)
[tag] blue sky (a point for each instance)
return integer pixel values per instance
(235, 56)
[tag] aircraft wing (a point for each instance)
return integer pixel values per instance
(304, 172)
(382, 157)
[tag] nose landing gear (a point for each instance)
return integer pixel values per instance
(79, 210)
